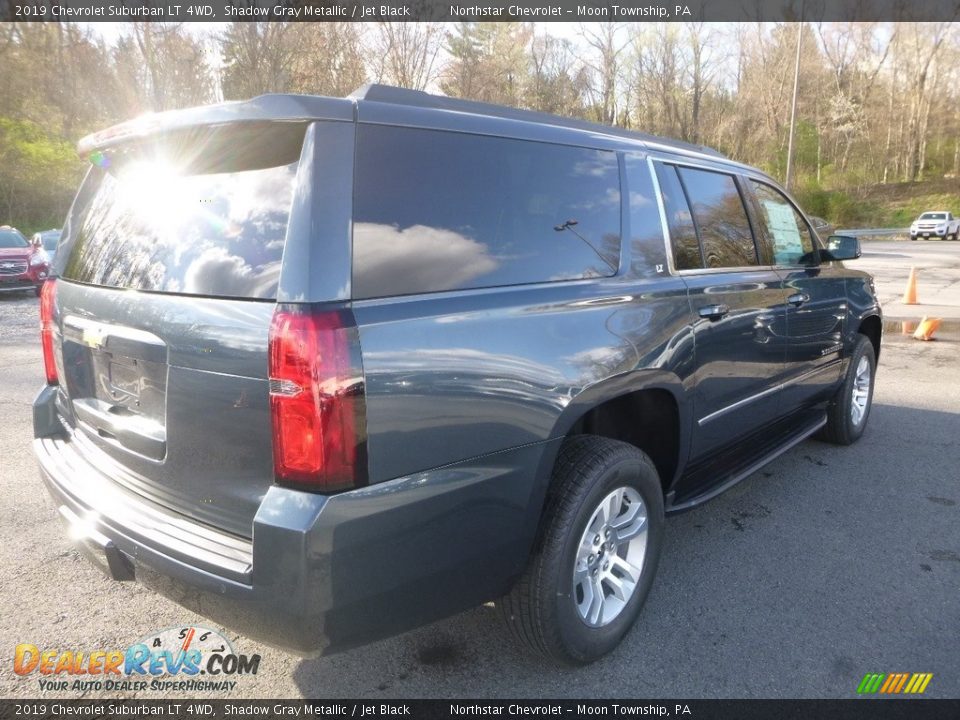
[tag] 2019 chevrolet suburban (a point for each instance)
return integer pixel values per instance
(327, 369)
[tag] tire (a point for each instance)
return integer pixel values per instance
(548, 610)
(845, 424)
(37, 290)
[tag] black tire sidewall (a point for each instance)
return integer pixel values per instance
(580, 642)
(863, 348)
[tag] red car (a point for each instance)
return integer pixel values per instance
(22, 266)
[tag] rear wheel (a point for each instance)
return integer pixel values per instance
(596, 555)
(850, 408)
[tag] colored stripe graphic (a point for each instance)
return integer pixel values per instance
(870, 683)
(903, 679)
(894, 683)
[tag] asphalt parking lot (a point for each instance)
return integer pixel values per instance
(827, 564)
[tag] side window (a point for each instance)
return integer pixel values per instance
(720, 217)
(683, 234)
(442, 211)
(787, 230)
(647, 251)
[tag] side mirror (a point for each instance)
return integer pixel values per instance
(843, 247)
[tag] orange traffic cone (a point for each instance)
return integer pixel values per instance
(910, 294)
(908, 327)
(928, 326)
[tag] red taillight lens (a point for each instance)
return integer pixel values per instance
(48, 298)
(316, 399)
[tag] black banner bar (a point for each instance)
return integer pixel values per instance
(854, 709)
(480, 10)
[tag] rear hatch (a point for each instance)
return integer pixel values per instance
(168, 277)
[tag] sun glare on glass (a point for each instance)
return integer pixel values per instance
(155, 191)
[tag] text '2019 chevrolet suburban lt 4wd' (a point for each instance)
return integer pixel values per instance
(328, 369)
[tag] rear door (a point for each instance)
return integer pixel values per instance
(816, 299)
(737, 305)
(168, 276)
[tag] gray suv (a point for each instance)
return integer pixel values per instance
(327, 369)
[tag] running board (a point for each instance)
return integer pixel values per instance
(794, 440)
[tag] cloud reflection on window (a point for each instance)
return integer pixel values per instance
(392, 260)
(219, 234)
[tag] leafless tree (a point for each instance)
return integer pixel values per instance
(406, 53)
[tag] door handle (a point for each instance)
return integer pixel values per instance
(713, 312)
(798, 299)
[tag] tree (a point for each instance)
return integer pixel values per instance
(406, 53)
(331, 61)
(607, 41)
(916, 49)
(557, 82)
(174, 72)
(259, 57)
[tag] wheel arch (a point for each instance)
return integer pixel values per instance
(643, 390)
(872, 327)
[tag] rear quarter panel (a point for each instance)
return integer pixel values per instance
(457, 375)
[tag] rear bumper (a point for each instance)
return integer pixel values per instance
(272, 607)
(321, 573)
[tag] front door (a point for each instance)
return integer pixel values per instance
(738, 306)
(816, 300)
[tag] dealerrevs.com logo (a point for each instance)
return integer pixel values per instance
(191, 659)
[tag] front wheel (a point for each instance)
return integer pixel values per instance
(596, 555)
(848, 411)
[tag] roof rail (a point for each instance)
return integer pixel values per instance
(418, 98)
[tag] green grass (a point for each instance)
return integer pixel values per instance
(894, 205)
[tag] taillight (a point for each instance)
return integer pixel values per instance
(48, 298)
(316, 399)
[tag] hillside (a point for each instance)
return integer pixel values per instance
(894, 205)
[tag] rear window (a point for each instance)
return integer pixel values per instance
(12, 239)
(203, 212)
(442, 211)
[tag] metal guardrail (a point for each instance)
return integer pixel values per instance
(874, 231)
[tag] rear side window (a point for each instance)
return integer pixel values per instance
(683, 234)
(201, 213)
(647, 251)
(787, 230)
(720, 217)
(443, 211)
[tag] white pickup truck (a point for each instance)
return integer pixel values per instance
(935, 224)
